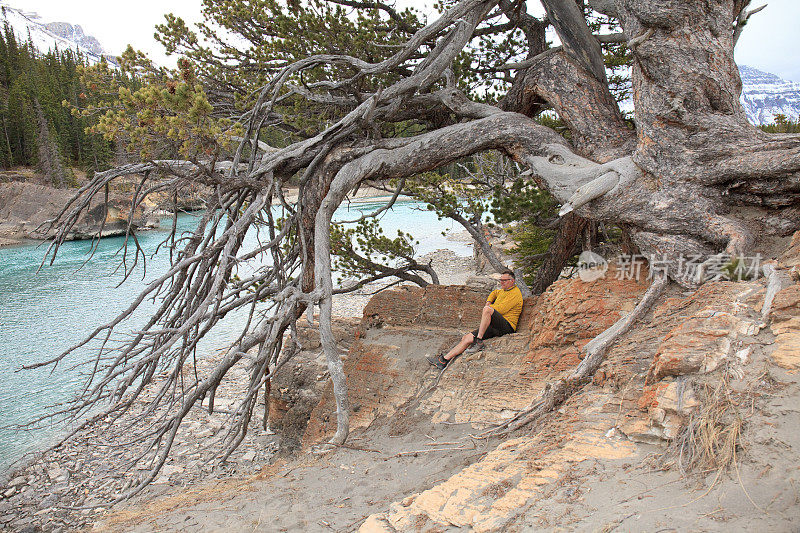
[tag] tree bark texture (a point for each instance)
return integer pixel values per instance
(696, 160)
(580, 99)
(559, 252)
(692, 178)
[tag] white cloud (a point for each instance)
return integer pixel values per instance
(770, 40)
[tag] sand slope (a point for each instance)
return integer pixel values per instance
(606, 460)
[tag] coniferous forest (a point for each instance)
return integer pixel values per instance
(38, 126)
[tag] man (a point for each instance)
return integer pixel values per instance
(499, 317)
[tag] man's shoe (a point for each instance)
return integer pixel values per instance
(438, 361)
(476, 346)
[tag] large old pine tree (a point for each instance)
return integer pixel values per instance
(692, 177)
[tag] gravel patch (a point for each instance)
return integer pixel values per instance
(47, 494)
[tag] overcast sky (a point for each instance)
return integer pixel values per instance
(770, 41)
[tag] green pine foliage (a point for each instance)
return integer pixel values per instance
(154, 113)
(782, 125)
(239, 46)
(489, 190)
(358, 249)
(527, 212)
(33, 82)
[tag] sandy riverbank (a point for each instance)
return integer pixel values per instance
(86, 471)
(364, 193)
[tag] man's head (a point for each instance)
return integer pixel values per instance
(507, 279)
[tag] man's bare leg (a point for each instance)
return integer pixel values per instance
(486, 319)
(459, 348)
(469, 338)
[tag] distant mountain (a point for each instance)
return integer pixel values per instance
(765, 95)
(47, 36)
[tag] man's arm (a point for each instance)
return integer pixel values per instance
(492, 297)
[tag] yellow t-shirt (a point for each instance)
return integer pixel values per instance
(508, 303)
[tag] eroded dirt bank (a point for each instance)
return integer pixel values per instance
(614, 456)
(29, 202)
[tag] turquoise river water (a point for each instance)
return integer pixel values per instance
(43, 313)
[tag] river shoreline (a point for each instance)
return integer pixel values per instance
(26, 206)
(85, 472)
(38, 490)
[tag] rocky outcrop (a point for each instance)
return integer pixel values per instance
(706, 330)
(75, 34)
(386, 364)
(700, 333)
(25, 209)
(690, 335)
(644, 392)
(786, 327)
(601, 461)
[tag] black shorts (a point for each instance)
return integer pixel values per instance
(498, 327)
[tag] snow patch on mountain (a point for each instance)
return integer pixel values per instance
(765, 95)
(48, 36)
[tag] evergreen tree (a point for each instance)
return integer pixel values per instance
(782, 124)
(36, 128)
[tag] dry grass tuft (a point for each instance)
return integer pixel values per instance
(713, 432)
(713, 435)
(498, 490)
(125, 519)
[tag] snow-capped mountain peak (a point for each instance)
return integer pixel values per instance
(47, 36)
(765, 95)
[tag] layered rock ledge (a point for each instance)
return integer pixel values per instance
(26, 209)
(702, 367)
(609, 457)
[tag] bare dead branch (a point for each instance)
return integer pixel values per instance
(742, 19)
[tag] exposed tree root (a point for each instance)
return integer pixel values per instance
(555, 393)
(675, 192)
(774, 285)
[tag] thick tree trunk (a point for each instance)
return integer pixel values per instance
(559, 252)
(582, 101)
(697, 160)
(686, 88)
